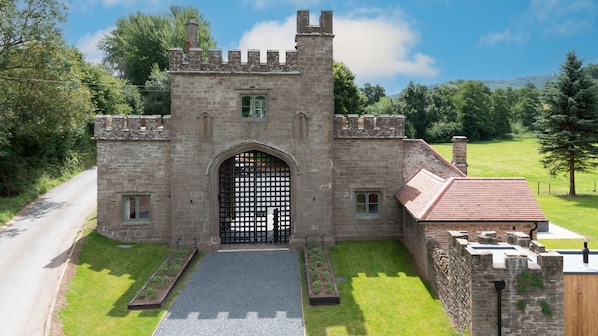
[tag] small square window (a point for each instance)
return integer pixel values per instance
(253, 106)
(367, 204)
(136, 208)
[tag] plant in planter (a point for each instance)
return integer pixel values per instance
(321, 283)
(162, 281)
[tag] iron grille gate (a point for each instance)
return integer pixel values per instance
(255, 199)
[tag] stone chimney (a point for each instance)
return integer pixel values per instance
(460, 153)
(192, 27)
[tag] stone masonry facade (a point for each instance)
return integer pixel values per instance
(532, 300)
(176, 161)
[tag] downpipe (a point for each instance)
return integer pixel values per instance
(499, 285)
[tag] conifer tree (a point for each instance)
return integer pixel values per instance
(568, 128)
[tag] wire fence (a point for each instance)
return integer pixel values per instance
(560, 189)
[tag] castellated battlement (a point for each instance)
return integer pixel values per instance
(369, 126)
(194, 61)
(324, 28)
(132, 127)
(482, 257)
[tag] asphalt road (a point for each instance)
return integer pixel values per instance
(33, 249)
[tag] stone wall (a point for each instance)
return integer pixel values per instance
(421, 155)
(133, 167)
(466, 276)
(421, 237)
(366, 165)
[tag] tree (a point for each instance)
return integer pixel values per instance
(386, 105)
(474, 105)
(157, 95)
(347, 99)
(29, 28)
(418, 109)
(107, 92)
(140, 41)
(501, 113)
(47, 112)
(568, 128)
(528, 107)
(373, 94)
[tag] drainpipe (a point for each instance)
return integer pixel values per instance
(531, 232)
(499, 285)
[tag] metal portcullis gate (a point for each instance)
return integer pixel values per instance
(255, 199)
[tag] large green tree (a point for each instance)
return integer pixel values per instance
(528, 106)
(347, 98)
(142, 40)
(501, 113)
(373, 93)
(474, 109)
(157, 93)
(29, 32)
(418, 109)
(568, 128)
(44, 110)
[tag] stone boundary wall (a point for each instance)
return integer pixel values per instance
(465, 279)
(132, 127)
(369, 126)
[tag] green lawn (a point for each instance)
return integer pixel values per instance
(520, 158)
(381, 294)
(107, 278)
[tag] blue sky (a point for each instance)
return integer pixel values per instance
(386, 42)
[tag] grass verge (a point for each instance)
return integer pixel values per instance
(381, 294)
(106, 279)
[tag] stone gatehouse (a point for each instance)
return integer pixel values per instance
(253, 153)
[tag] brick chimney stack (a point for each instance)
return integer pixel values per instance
(460, 153)
(192, 27)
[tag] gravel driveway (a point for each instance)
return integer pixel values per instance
(239, 293)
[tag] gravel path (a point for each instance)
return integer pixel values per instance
(239, 293)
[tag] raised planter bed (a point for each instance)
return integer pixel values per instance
(321, 283)
(155, 291)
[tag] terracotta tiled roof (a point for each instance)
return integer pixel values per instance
(431, 198)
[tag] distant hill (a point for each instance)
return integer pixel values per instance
(515, 83)
(519, 82)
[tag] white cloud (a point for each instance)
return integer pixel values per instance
(562, 17)
(506, 36)
(375, 44)
(88, 45)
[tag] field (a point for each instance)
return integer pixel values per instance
(520, 158)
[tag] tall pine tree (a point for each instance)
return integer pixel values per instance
(568, 128)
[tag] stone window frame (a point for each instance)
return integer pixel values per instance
(142, 213)
(363, 208)
(251, 112)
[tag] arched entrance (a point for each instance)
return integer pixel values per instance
(254, 199)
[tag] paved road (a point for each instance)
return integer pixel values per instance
(33, 249)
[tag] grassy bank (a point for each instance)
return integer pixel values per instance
(520, 158)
